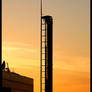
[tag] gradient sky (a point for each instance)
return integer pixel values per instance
(71, 41)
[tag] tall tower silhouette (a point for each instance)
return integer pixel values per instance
(46, 73)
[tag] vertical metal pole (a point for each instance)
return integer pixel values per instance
(41, 51)
(45, 55)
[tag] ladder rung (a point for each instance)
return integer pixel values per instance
(44, 41)
(44, 47)
(43, 24)
(43, 35)
(43, 83)
(43, 89)
(43, 30)
(43, 77)
(44, 53)
(43, 59)
(43, 65)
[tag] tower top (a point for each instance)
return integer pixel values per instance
(48, 18)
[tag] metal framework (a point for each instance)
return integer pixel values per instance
(43, 54)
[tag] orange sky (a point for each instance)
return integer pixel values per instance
(71, 41)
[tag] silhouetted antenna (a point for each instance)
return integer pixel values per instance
(3, 65)
(41, 8)
(41, 47)
(7, 68)
(7, 65)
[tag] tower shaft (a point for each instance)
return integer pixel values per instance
(46, 54)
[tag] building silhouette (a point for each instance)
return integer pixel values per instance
(13, 82)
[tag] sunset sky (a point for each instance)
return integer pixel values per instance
(71, 41)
